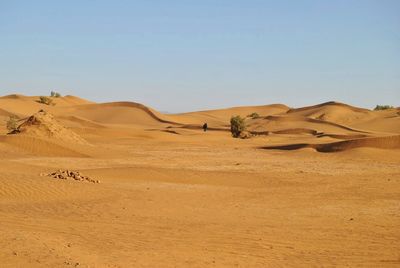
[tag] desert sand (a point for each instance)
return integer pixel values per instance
(317, 186)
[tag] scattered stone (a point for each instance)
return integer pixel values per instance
(71, 175)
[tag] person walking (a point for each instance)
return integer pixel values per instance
(205, 127)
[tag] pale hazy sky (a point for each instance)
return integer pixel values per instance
(190, 55)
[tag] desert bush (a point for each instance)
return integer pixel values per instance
(254, 115)
(12, 123)
(382, 107)
(45, 100)
(237, 126)
(55, 94)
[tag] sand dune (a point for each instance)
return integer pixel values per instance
(333, 120)
(220, 118)
(27, 105)
(278, 123)
(387, 121)
(35, 146)
(173, 195)
(390, 142)
(20, 105)
(43, 125)
(41, 134)
(332, 111)
(116, 113)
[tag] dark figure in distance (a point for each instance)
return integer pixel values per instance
(205, 126)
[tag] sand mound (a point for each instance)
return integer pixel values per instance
(335, 112)
(43, 125)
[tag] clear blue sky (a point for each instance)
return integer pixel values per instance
(189, 55)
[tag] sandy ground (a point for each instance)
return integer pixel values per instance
(195, 199)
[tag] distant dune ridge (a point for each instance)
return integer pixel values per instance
(389, 142)
(325, 127)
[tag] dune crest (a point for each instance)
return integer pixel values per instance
(390, 142)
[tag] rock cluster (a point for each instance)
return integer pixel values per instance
(74, 175)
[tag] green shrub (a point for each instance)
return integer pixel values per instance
(382, 107)
(55, 94)
(45, 100)
(237, 126)
(12, 124)
(254, 115)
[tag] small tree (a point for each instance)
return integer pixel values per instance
(45, 100)
(254, 115)
(54, 94)
(12, 124)
(237, 126)
(383, 107)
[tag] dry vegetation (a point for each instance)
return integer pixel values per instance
(238, 126)
(12, 124)
(45, 100)
(383, 107)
